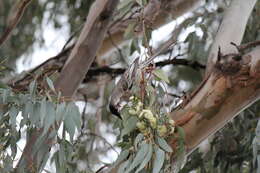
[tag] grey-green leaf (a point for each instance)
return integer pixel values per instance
(161, 75)
(123, 166)
(138, 139)
(129, 125)
(50, 83)
(164, 145)
(13, 113)
(147, 158)
(139, 157)
(159, 160)
(50, 116)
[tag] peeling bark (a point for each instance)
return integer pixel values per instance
(222, 97)
(231, 29)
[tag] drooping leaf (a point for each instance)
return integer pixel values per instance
(76, 116)
(60, 111)
(50, 83)
(139, 157)
(159, 160)
(50, 116)
(32, 87)
(13, 113)
(147, 158)
(138, 139)
(123, 166)
(164, 145)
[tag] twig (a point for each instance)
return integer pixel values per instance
(72, 36)
(14, 20)
(104, 139)
(245, 46)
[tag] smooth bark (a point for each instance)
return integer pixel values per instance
(231, 29)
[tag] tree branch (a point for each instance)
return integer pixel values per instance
(14, 19)
(74, 71)
(222, 97)
(231, 29)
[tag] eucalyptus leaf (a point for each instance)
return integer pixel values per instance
(161, 75)
(138, 139)
(50, 117)
(76, 116)
(13, 113)
(164, 145)
(158, 160)
(60, 111)
(139, 157)
(32, 87)
(122, 156)
(123, 166)
(50, 83)
(130, 125)
(43, 111)
(147, 158)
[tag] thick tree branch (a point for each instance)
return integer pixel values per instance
(14, 19)
(231, 29)
(84, 52)
(224, 94)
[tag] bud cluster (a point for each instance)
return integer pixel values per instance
(150, 123)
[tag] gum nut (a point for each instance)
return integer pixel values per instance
(132, 111)
(140, 125)
(153, 122)
(172, 130)
(162, 130)
(172, 122)
(145, 112)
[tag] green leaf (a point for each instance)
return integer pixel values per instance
(32, 87)
(138, 139)
(139, 157)
(122, 156)
(123, 166)
(69, 123)
(161, 75)
(50, 116)
(50, 83)
(164, 145)
(76, 116)
(6, 93)
(34, 117)
(61, 154)
(147, 158)
(130, 125)
(159, 160)
(60, 111)
(13, 113)
(43, 111)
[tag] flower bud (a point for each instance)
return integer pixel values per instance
(172, 122)
(162, 130)
(141, 125)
